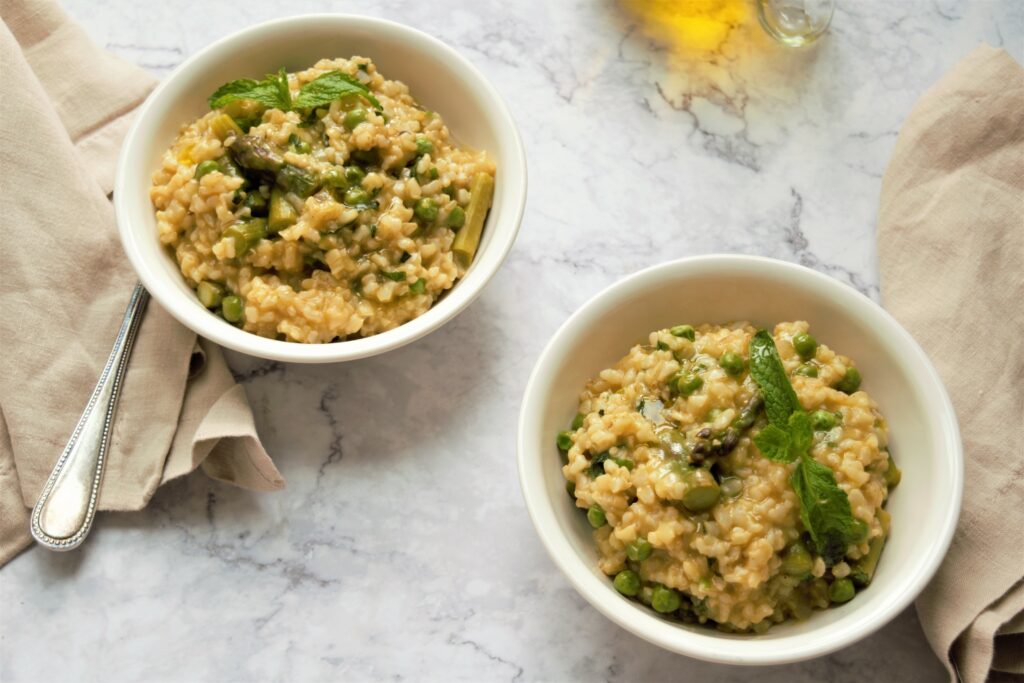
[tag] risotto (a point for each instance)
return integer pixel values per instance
(320, 205)
(690, 516)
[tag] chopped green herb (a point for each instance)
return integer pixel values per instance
(394, 276)
(418, 287)
(596, 468)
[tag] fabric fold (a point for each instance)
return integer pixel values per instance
(951, 245)
(65, 281)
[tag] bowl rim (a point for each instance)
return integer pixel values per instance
(714, 646)
(208, 326)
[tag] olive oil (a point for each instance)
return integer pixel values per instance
(795, 22)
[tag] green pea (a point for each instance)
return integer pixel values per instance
(231, 308)
(354, 117)
(426, 210)
(807, 370)
(627, 582)
(822, 420)
(639, 550)
(797, 561)
(577, 421)
(731, 487)
(210, 294)
(456, 218)
(841, 591)
(357, 196)
(684, 331)
(805, 345)
(354, 174)
(732, 363)
(334, 177)
(665, 600)
(423, 145)
(595, 515)
(850, 381)
(564, 441)
(204, 167)
(688, 383)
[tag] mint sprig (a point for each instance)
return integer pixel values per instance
(273, 93)
(788, 437)
(328, 87)
(267, 92)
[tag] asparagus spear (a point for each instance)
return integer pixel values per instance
(252, 153)
(223, 126)
(713, 445)
(864, 570)
(282, 214)
(468, 239)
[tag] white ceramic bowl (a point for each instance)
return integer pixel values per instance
(719, 289)
(438, 77)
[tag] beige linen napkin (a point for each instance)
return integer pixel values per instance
(64, 283)
(951, 256)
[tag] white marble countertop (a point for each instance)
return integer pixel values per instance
(401, 548)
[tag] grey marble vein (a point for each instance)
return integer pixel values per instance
(401, 549)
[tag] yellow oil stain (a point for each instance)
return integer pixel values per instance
(690, 27)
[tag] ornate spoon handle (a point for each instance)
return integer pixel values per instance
(63, 516)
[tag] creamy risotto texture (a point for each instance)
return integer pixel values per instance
(690, 516)
(320, 205)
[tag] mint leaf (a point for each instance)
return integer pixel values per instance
(264, 92)
(328, 87)
(774, 444)
(824, 509)
(280, 81)
(766, 368)
(801, 434)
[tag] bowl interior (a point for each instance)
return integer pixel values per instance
(924, 437)
(437, 76)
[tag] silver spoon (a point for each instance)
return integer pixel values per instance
(63, 516)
